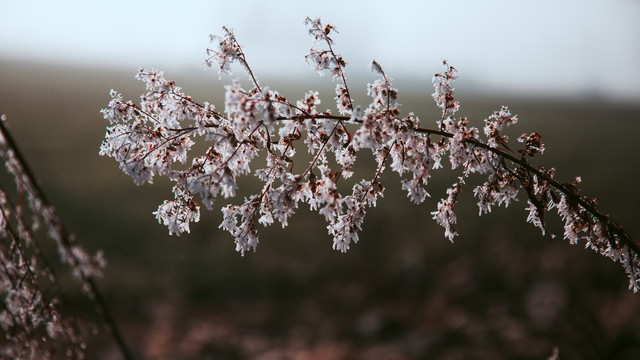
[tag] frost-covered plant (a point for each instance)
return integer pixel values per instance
(32, 324)
(154, 138)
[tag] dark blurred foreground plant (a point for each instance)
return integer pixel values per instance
(32, 323)
(154, 138)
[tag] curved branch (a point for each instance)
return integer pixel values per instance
(619, 231)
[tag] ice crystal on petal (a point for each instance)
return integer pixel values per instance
(415, 189)
(227, 51)
(443, 94)
(321, 55)
(445, 216)
(499, 190)
(342, 99)
(245, 231)
(532, 144)
(495, 123)
(534, 216)
(177, 214)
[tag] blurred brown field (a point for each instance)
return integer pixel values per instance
(501, 291)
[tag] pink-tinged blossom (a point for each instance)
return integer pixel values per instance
(309, 103)
(177, 214)
(532, 144)
(343, 100)
(500, 189)
(155, 139)
(346, 226)
(226, 51)
(445, 216)
(321, 55)
(240, 221)
(460, 149)
(415, 189)
(495, 123)
(443, 94)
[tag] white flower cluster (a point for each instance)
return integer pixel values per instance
(148, 139)
(229, 51)
(325, 59)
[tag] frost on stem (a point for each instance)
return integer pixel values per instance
(443, 94)
(323, 59)
(147, 140)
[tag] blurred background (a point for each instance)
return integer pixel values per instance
(569, 69)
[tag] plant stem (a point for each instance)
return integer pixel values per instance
(67, 241)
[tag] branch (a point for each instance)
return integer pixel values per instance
(68, 242)
(401, 141)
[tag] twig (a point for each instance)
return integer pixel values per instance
(67, 240)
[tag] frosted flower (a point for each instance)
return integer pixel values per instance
(532, 144)
(321, 55)
(445, 216)
(177, 214)
(415, 189)
(228, 51)
(343, 100)
(156, 138)
(240, 221)
(495, 123)
(499, 190)
(535, 216)
(443, 94)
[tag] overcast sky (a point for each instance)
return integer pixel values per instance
(584, 47)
